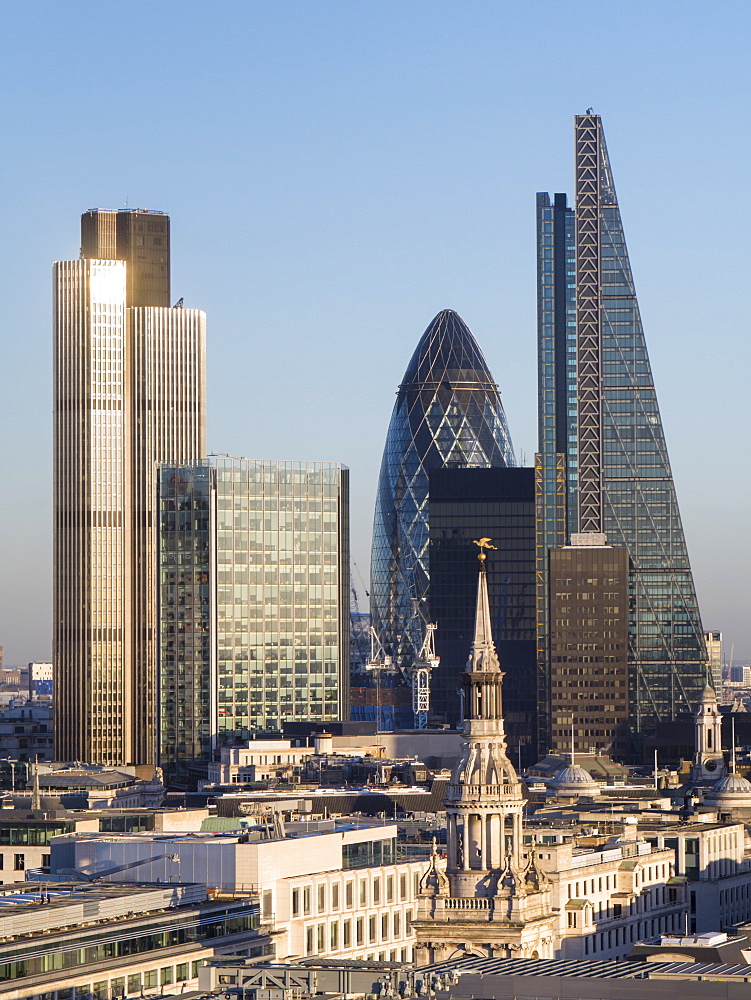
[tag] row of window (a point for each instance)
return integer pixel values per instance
(131, 985)
(356, 933)
(379, 890)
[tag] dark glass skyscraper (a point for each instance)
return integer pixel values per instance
(465, 505)
(448, 414)
(603, 465)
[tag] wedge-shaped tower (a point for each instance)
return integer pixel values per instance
(448, 414)
(603, 466)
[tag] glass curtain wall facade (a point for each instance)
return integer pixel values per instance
(129, 393)
(617, 477)
(254, 602)
(465, 505)
(448, 414)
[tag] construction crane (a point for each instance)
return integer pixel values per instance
(378, 660)
(427, 661)
(417, 667)
(81, 875)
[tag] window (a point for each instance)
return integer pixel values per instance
(117, 987)
(385, 927)
(335, 896)
(334, 935)
(149, 978)
(360, 927)
(320, 937)
(165, 976)
(402, 887)
(390, 889)
(376, 890)
(309, 941)
(19, 862)
(363, 894)
(99, 990)
(371, 929)
(134, 984)
(408, 922)
(347, 933)
(321, 898)
(349, 895)
(397, 924)
(306, 899)
(194, 967)
(295, 902)
(181, 972)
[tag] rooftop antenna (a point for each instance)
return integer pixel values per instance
(572, 741)
(732, 754)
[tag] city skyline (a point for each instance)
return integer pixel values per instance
(454, 230)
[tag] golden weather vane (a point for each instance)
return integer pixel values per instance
(482, 544)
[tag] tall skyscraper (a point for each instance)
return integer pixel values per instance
(448, 414)
(254, 602)
(603, 465)
(466, 504)
(129, 394)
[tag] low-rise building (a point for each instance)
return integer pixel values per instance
(66, 940)
(333, 889)
(26, 730)
(608, 892)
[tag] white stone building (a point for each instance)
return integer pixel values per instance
(336, 891)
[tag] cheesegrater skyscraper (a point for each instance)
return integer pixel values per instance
(129, 393)
(602, 471)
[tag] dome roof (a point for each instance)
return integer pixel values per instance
(574, 780)
(448, 356)
(708, 695)
(730, 785)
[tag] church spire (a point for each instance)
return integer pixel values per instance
(483, 657)
(483, 677)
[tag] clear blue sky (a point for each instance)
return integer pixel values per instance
(336, 173)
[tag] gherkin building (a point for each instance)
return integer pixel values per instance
(448, 414)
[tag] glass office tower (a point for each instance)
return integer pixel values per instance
(468, 504)
(448, 414)
(254, 602)
(603, 465)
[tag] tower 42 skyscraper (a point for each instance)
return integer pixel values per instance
(129, 393)
(603, 467)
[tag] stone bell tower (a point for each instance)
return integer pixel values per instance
(709, 762)
(487, 902)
